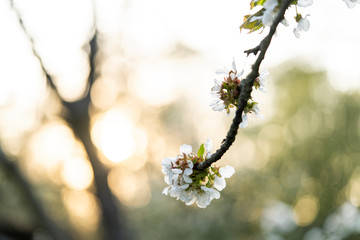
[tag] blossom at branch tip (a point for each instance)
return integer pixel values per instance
(193, 186)
(303, 25)
(351, 3)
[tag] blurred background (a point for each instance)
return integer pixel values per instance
(122, 84)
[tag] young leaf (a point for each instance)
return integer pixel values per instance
(201, 150)
(253, 22)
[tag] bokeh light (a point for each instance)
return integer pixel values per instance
(113, 134)
(77, 173)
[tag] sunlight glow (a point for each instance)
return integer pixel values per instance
(77, 173)
(48, 147)
(113, 133)
(82, 207)
(132, 188)
(155, 83)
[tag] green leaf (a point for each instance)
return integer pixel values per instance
(201, 150)
(253, 22)
(254, 3)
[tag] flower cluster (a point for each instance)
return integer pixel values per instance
(227, 92)
(190, 185)
(266, 15)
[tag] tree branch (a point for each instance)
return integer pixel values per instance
(246, 89)
(79, 119)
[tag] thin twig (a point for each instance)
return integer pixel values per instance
(246, 89)
(253, 50)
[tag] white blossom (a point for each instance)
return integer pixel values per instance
(232, 78)
(304, 3)
(179, 175)
(269, 13)
(225, 172)
(262, 80)
(303, 25)
(185, 149)
(205, 196)
(217, 105)
(208, 148)
(244, 123)
(256, 110)
(351, 3)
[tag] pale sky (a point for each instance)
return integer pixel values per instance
(149, 31)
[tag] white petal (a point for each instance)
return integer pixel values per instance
(177, 171)
(187, 149)
(296, 32)
(226, 171)
(185, 196)
(208, 145)
(240, 73)
(175, 179)
(176, 190)
(167, 179)
(285, 22)
(219, 107)
(188, 171)
(212, 192)
(168, 161)
(268, 17)
(350, 3)
(233, 65)
(264, 74)
(222, 71)
(187, 179)
(203, 200)
(270, 4)
(304, 3)
(214, 102)
(190, 164)
(191, 201)
(219, 183)
(244, 123)
(166, 190)
(303, 24)
(257, 111)
(217, 82)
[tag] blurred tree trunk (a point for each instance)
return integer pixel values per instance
(79, 119)
(77, 116)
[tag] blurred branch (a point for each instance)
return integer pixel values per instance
(31, 40)
(246, 89)
(79, 119)
(34, 202)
